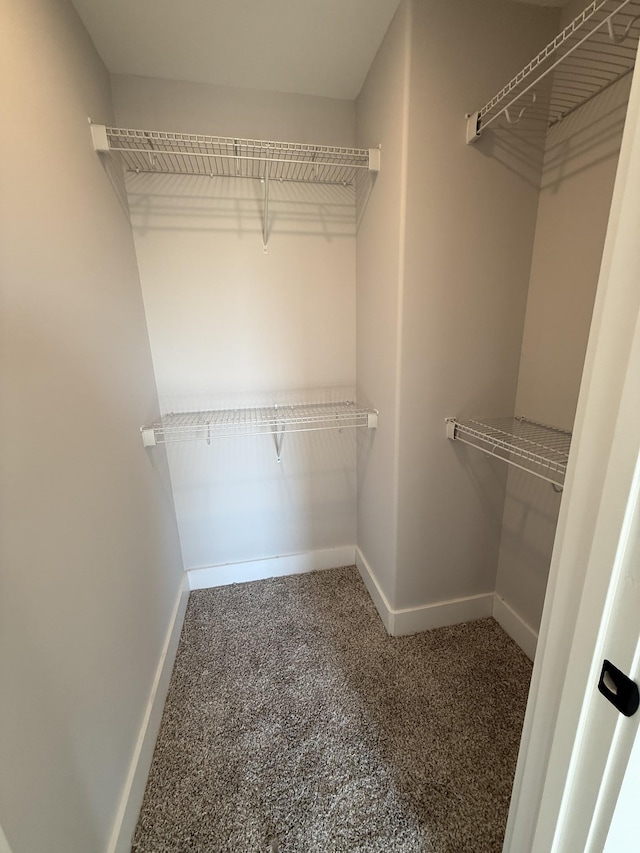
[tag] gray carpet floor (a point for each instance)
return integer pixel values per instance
(295, 723)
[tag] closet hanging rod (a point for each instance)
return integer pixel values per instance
(584, 49)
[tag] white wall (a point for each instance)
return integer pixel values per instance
(581, 158)
(470, 223)
(231, 325)
(382, 114)
(226, 111)
(88, 543)
(444, 249)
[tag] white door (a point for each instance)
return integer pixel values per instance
(624, 825)
(602, 739)
(575, 747)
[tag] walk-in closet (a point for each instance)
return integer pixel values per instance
(318, 347)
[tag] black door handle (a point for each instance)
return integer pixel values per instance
(619, 689)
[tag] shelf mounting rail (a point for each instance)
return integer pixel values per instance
(595, 50)
(269, 420)
(164, 152)
(533, 447)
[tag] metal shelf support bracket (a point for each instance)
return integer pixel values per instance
(473, 127)
(618, 38)
(279, 438)
(265, 220)
(507, 111)
(99, 137)
(148, 436)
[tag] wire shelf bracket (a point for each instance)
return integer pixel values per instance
(533, 447)
(270, 420)
(595, 50)
(163, 152)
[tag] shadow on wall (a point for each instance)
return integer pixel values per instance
(488, 477)
(237, 503)
(525, 522)
(587, 137)
(114, 172)
(528, 534)
(365, 182)
(236, 206)
(254, 394)
(530, 523)
(519, 148)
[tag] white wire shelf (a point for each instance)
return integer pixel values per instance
(594, 51)
(218, 156)
(164, 152)
(536, 448)
(270, 420)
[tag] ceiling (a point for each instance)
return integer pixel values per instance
(311, 47)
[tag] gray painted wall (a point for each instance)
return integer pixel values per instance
(233, 326)
(470, 221)
(88, 543)
(580, 164)
(444, 249)
(382, 115)
(89, 547)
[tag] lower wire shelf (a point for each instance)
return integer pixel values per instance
(270, 420)
(539, 449)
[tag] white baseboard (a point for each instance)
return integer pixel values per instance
(273, 567)
(135, 784)
(4, 844)
(375, 591)
(412, 620)
(515, 626)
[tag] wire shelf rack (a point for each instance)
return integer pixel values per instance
(536, 448)
(594, 51)
(270, 420)
(218, 156)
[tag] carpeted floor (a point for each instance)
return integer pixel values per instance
(295, 723)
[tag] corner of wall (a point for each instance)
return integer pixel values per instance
(133, 792)
(381, 118)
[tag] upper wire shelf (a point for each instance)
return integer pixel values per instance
(594, 51)
(268, 420)
(533, 447)
(218, 156)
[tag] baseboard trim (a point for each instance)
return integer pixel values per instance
(4, 844)
(135, 784)
(442, 613)
(272, 567)
(375, 591)
(515, 626)
(412, 620)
